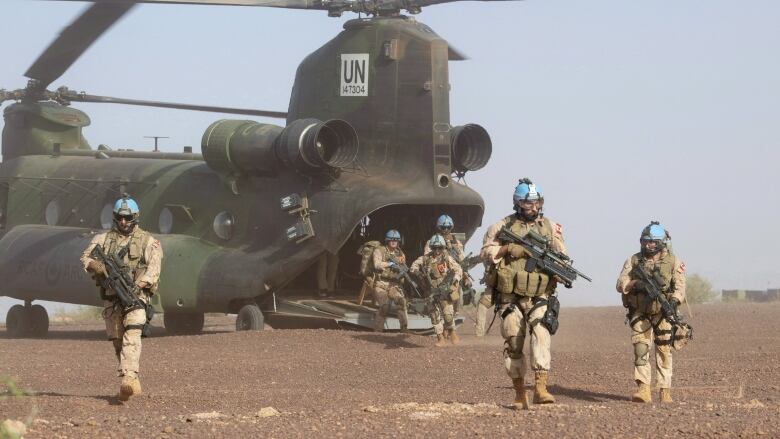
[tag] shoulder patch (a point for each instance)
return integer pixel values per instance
(558, 228)
(156, 243)
(682, 267)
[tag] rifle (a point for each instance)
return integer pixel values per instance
(443, 289)
(403, 273)
(542, 257)
(652, 285)
(119, 279)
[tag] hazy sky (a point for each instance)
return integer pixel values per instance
(622, 111)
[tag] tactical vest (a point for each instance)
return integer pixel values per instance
(134, 256)
(665, 266)
(511, 276)
(397, 254)
(431, 269)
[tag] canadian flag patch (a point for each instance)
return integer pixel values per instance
(558, 228)
(682, 267)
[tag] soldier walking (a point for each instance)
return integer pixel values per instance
(142, 254)
(523, 295)
(387, 260)
(443, 274)
(648, 324)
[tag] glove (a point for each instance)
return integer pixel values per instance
(674, 302)
(395, 267)
(96, 268)
(640, 286)
(515, 250)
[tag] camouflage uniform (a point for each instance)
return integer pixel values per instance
(435, 269)
(523, 297)
(484, 304)
(387, 288)
(144, 257)
(645, 318)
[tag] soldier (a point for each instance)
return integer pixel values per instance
(444, 226)
(522, 294)
(436, 267)
(484, 304)
(388, 260)
(143, 256)
(645, 317)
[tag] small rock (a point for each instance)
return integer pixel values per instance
(754, 404)
(12, 429)
(371, 409)
(267, 412)
(207, 415)
(168, 429)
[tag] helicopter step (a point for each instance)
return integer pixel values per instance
(297, 312)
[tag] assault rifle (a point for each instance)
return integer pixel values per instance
(469, 262)
(119, 280)
(402, 271)
(652, 285)
(443, 289)
(542, 257)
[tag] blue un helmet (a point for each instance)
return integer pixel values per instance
(526, 190)
(125, 207)
(392, 235)
(653, 232)
(445, 223)
(437, 241)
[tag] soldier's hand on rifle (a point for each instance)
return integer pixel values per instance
(395, 267)
(675, 302)
(96, 268)
(467, 281)
(142, 285)
(515, 250)
(637, 285)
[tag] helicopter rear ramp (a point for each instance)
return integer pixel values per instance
(305, 313)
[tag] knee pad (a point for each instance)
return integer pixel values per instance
(514, 347)
(641, 351)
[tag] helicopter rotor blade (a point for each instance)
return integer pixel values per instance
(74, 40)
(69, 95)
(334, 7)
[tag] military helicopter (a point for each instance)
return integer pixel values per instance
(367, 146)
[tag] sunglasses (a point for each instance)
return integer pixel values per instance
(128, 218)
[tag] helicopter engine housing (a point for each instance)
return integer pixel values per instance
(471, 147)
(305, 145)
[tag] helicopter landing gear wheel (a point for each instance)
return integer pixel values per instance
(250, 318)
(183, 323)
(17, 321)
(38, 321)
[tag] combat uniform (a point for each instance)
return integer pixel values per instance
(442, 309)
(645, 318)
(387, 287)
(144, 258)
(523, 298)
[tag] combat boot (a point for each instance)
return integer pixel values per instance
(521, 396)
(643, 393)
(440, 341)
(130, 386)
(665, 395)
(541, 395)
(454, 339)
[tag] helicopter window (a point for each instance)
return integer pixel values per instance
(165, 222)
(52, 213)
(223, 225)
(444, 180)
(107, 216)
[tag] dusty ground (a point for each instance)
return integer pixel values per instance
(356, 384)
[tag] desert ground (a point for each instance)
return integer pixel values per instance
(326, 383)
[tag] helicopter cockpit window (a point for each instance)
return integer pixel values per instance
(165, 221)
(107, 216)
(223, 225)
(52, 213)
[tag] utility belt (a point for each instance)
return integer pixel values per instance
(146, 305)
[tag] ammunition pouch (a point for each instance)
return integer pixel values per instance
(514, 277)
(550, 319)
(681, 335)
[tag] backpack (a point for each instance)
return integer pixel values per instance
(366, 252)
